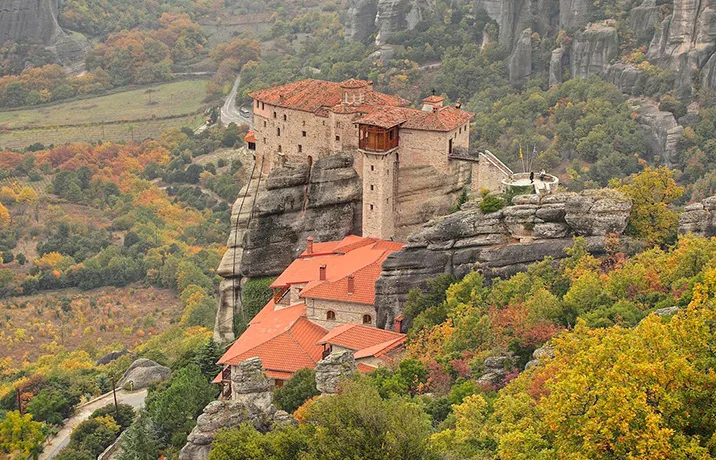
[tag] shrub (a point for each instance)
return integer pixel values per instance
(491, 203)
(123, 415)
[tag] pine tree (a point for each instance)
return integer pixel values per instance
(140, 442)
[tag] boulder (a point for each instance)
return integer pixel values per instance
(539, 356)
(699, 218)
(109, 357)
(332, 369)
(667, 311)
(496, 368)
(142, 373)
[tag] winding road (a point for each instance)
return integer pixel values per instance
(59, 442)
(230, 113)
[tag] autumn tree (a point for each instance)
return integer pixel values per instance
(651, 192)
(4, 217)
(20, 434)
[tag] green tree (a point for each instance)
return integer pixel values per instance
(298, 389)
(140, 442)
(175, 408)
(123, 414)
(49, 406)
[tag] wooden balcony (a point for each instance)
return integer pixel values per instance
(379, 140)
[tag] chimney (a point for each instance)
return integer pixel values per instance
(309, 245)
(351, 284)
(398, 324)
(458, 105)
(322, 273)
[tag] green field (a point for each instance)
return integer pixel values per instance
(117, 132)
(165, 100)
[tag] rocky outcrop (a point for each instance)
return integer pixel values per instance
(540, 355)
(332, 369)
(627, 77)
(593, 50)
(253, 403)
(511, 17)
(661, 131)
(399, 15)
(500, 243)
(360, 19)
(496, 369)
(142, 373)
(644, 18)
(109, 357)
(267, 233)
(556, 66)
(574, 14)
(699, 218)
(685, 42)
(36, 21)
(519, 64)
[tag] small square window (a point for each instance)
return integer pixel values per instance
(372, 168)
(371, 207)
(371, 186)
(263, 106)
(278, 131)
(284, 117)
(274, 114)
(300, 148)
(338, 138)
(257, 104)
(304, 122)
(264, 123)
(264, 140)
(280, 149)
(303, 133)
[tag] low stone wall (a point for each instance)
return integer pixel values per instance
(499, 243)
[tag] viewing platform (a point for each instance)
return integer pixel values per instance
(521, 182)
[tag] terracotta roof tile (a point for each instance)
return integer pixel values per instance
(444, 119)
(353, 83)
(379, 349)
(364, 368)
(319, 96)
(250, 137)
(357, 337)
(433, 99)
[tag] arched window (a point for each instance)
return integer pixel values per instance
(331, 315)
(367, 319)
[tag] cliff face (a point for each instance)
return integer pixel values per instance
(295, 201)
(36, 21)
(661, 130)
(699, 218)
(399, 15)
(685, 42)
(29, 20)
(593, 50)
(500, 243)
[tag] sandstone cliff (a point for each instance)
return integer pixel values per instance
(36, 21)
(593, 50)
(500, 243)
(269, 226)
(661, 131)
(685, 42)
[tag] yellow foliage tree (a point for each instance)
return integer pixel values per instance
(27, 195)
(4, 216)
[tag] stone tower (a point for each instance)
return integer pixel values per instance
(380, 179)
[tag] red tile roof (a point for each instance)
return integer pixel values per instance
(283, 338)
(433, 99)
(444, 119)
(357, 256)
(353, 83)
(381, 348)
(317, 96)
(364, 368)
(250, 137)
(358, 337)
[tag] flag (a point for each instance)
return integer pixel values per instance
(520, 150)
